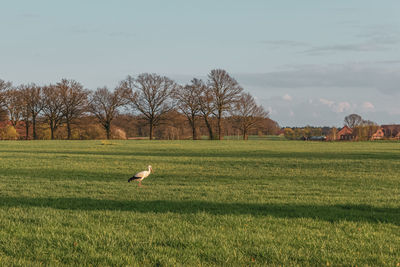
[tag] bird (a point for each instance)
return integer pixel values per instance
(141, 175)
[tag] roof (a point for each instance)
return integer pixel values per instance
(391, 127)
(346, 130)
(379, 131)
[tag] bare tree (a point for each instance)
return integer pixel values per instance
(246, 113)
(104, 104)
(13, 103)
(26, 109)
(206, 105)
(33, 105)
(368, 123)
(353, 120)
(53, 107)
(26, 115)
(74, 99)
(3, 87)
(225, 91)
(151, 96)
(188, 102)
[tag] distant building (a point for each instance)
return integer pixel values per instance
(346, 133)
(378, 135)
(389, 131)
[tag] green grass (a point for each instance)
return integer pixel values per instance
(208, 203)
(254, 137)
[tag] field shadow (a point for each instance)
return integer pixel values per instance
(311, 155)
(64, 175)
(330, 213)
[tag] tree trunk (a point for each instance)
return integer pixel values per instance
(245, 136)
(192, 122)
(151, 130)
(210, 131)
(220, 134)
(68, 129)
(52, 131)
(26, 130)
(108, 130)
(194, 132)
(34, 127)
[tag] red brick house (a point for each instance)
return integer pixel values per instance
(378, 135)
(346, 133)
(390, 131)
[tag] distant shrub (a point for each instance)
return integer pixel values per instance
(43, 133)
(8, 133)
(91, 131)
(75, 134)
(118, 133)
(289, 133)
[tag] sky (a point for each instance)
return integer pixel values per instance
(308, 62)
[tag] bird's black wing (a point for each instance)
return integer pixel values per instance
(133, 178)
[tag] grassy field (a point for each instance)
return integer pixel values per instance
(208, 203)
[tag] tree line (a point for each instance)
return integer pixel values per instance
(147, 99)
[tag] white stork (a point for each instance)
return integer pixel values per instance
(141, 175)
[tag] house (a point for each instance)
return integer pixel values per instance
(389, 131)
(346, 133)
(378, 135)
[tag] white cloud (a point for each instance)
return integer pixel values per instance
(326, 102)
(336, 107)
(287, 97)
(368, 106)
(342, 107)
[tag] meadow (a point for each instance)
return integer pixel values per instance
(209, 203)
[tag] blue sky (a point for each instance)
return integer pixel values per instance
(307, 62)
